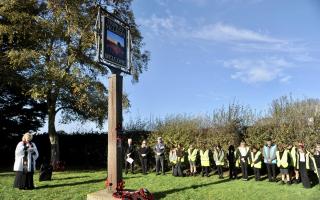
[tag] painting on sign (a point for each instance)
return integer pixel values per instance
(115, 48)
(115, 45)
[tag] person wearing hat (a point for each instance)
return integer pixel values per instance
(270, 159)
(26, 154)
(159, 150)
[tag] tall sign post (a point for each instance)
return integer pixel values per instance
(114, 52)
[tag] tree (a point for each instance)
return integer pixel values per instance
(18, 111)
(62, 68)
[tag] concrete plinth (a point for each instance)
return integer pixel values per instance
(100, 195)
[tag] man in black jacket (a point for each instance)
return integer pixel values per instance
(129, 155)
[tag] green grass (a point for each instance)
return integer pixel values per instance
(77, 184)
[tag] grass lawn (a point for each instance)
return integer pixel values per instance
(77, 184)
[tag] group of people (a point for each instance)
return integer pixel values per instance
(144, 155)
(295, 162)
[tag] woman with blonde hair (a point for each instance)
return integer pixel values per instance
(26, 154)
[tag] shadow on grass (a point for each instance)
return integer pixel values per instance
(7, 174)
(162, 194)
(70, 184)
(130, 177)
(71, 177)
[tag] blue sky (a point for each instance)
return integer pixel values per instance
(208, 53)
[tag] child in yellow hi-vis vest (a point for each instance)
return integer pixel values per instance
(283, 161)
(256, 158)
(316, 161)
(218, 157)
(192, 156)
(205, 160)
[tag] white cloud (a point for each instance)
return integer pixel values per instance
(164, 26)
(227, 33)
(259, 70)
(255, 45)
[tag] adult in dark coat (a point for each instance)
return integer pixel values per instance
(232, 162)
(129, 157)
(144, 153)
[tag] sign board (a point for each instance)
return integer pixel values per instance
(115, 43)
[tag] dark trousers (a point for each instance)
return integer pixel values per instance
(126, 166)
(244, 169)
(220, 171)
(318, 175)
(271, 168)
(177, 170)
(159, 161)
(144, 165)
(304, 175)
(256, 173)
(232, 171)
(205, 170)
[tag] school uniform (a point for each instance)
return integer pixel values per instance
(144, 153)
(205, 162)
(269, 153)
(218, 157)
(256, 164)
(243, 157)
(26, 155)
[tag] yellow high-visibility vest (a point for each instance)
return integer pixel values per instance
(204, 158)
(239, 158)
(181, 159)
(283, 161)
(314, 164)
(192, 155)
(293, 154)
(218, 158)
(173, 157)
(254, 158)
(307, 155)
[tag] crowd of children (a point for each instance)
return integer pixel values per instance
(296, 163)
